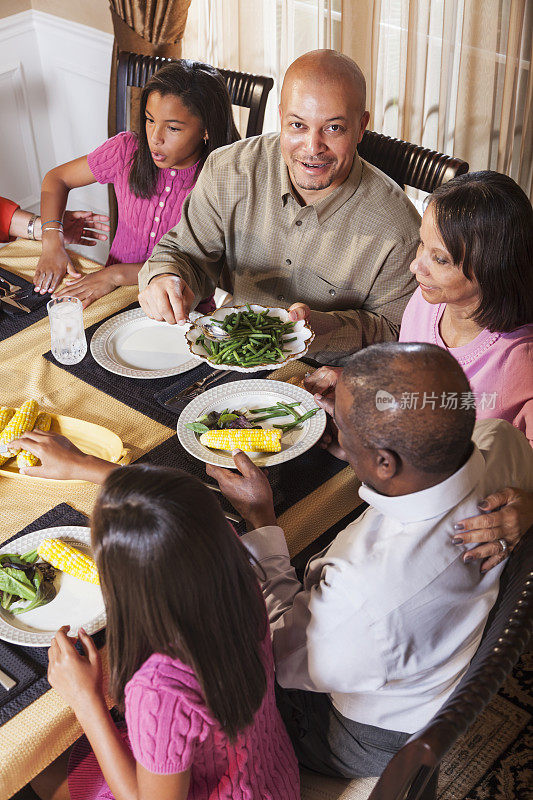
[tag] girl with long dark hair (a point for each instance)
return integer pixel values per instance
(185, 114)
(189, 652)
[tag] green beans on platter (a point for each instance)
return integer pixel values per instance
(255, 338)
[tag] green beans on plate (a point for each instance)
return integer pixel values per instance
(255, 338)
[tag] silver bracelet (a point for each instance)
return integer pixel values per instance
(31, 226)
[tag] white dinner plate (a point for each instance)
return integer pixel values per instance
(135, 346)
(77, 603)
(241, 395)
(302, 334)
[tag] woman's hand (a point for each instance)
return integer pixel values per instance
(53, 264)
(507, 515)
(60, 459)
(82, 227)
(90, 287)
(248, 490)
(77, 678)
(322, 384)
(323, 381)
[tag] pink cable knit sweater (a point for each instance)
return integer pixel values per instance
(141, 222)
(171, 730)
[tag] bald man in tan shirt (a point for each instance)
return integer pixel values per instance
(296, 217)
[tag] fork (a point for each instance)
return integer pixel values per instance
(13, 287)
(197, 387)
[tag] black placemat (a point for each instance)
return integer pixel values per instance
(144, 395)
(13, 320)
(291, 481)
(28, 665)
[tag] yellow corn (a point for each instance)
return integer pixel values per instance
(26, 459)
(23, 420)
(68, 559)
(263, 440)
(5, 416)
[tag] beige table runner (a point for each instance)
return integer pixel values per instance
(42, 731)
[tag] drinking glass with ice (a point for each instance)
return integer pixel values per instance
(67, 334)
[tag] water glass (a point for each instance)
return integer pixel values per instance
(67, 333)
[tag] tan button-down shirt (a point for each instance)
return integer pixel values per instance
(347, 255)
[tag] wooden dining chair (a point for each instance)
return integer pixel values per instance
(412, 773)
(245, 90)
(409, 164)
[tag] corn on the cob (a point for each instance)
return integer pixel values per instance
(68, 559)
(23, 420)
(264, 440)
(5, 416)
(25, 458)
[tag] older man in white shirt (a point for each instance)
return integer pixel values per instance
(388, 616)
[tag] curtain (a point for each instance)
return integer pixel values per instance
(147, 27)
(455, 76)
(261, 36)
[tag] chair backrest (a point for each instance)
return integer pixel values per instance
(409, 164)
(248, 91)
(507, 633)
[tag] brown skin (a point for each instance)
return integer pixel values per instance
(442, 281)
(506, 514)
(322, 121)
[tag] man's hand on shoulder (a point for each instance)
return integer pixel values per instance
(167, 298)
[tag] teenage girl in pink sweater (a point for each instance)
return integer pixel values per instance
(185, 114)
(190, 657)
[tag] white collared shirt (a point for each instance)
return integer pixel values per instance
(389, 616)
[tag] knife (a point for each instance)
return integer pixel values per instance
(200, 384)
(9, 299)
(7, 682)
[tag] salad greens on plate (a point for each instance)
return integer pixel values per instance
(25, 582)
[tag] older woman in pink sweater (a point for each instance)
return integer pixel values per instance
(475, 274)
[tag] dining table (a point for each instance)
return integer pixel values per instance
(327, 493)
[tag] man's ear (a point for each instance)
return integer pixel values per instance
(279, 112)
(388, 464)
(364, 122)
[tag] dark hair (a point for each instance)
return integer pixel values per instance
(177, 580)
(203, 91)
(434, 440)
(486, 222)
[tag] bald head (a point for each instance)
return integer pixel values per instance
(323, 67)
(407, 398)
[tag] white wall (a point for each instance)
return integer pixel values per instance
(54, 85)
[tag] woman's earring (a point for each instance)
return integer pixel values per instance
(206, 137)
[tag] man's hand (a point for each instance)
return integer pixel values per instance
(247, 490)
(60, 459)
(82, 227)
(77, 678)
(507, 515)
(299, 311)
(168, 298)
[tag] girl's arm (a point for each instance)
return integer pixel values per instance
(57, 183)
(90, 287)
(78, 679)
